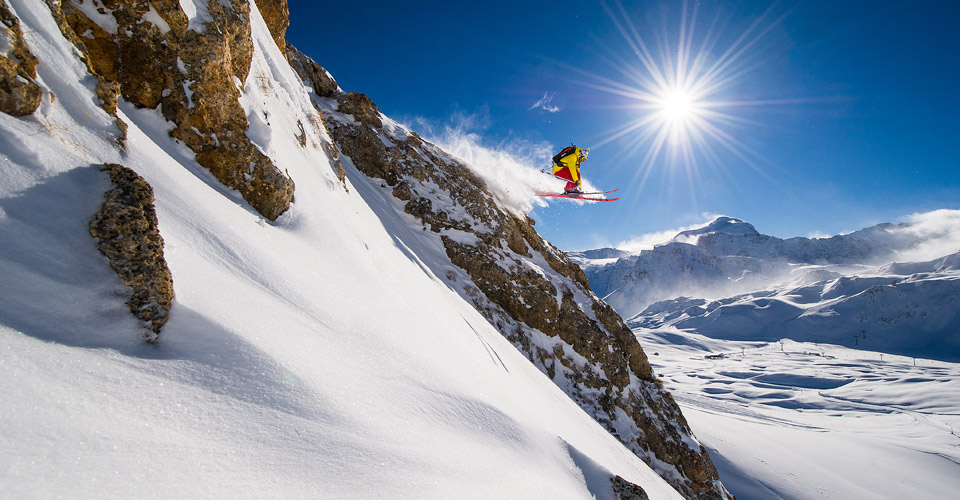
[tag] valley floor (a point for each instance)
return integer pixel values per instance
(790, 420)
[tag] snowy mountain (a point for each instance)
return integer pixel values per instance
(727, 257)
(332, 306)
(908, 309)
(840, 368)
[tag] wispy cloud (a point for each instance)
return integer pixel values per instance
(546, 103)
(649, 240)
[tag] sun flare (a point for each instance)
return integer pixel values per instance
(679, 90)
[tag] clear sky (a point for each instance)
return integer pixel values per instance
(800, 117)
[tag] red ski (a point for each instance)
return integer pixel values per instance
(581, 196)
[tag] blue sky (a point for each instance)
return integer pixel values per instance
(821, 117)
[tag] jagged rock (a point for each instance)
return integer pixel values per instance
(19, 93)
(625, 490)
(109, 94)
(277, 16)
(126, 227)
(590, 353)
(192, 74)
(18, 96)
(108, 91)
(310, 72)
(361, 107)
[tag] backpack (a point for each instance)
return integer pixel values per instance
(565, 152)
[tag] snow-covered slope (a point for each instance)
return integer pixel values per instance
(318, 355)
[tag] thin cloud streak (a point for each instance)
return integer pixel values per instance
(545, 103)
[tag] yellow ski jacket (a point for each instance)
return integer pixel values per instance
(568, 167)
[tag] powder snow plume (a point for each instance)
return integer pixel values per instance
(937, 233)
(513, 170)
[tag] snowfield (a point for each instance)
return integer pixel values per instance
(328, 354)
(797, 420)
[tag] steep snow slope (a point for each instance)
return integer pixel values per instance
(314, 356)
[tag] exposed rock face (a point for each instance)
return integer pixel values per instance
(625, 490)
(126, 226)
(194, 71)
(19, 93)
(277, 16)
(311, 72)
(533, 293)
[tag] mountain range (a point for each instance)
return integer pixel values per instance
(727, 279)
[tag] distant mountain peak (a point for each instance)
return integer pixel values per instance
(722, 224)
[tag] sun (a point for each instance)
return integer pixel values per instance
(677, 106)
(679, 90)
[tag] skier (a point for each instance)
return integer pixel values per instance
(566, 165)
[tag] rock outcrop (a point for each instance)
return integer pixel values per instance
(536, 296)
(312, 73)
(276, 15)
(625, 490)
(194, 70)
(19, 93)
(126, 227)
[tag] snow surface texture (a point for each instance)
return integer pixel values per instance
(313, 356)
(842, 372)
(804, 421)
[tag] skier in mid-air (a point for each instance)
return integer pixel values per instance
(566, 165)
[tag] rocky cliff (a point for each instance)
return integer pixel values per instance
(192, 66)
(19, 94)
(535, 295)
(128, 234)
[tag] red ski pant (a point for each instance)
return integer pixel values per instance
(564, 173)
